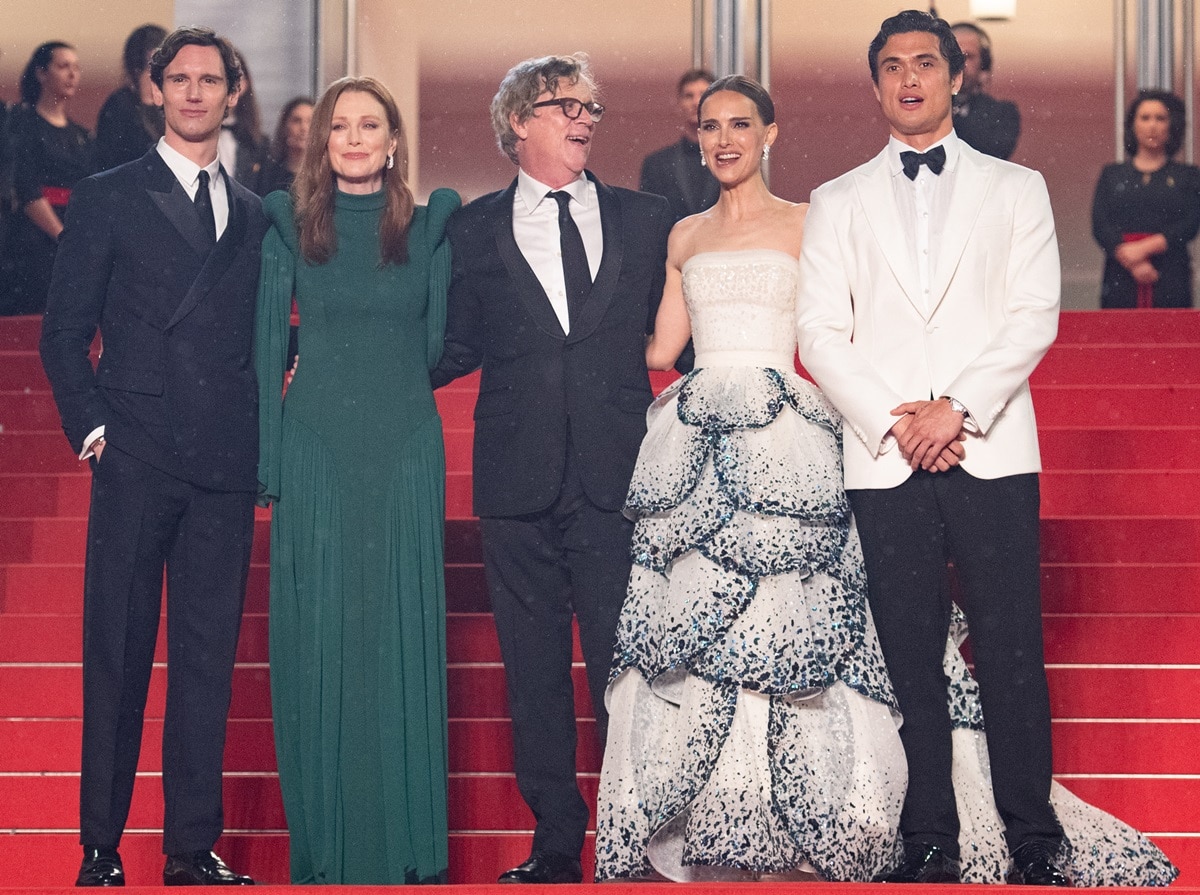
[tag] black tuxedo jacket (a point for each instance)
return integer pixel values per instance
(990, 125)
(675, 173)
(541, 390)
(175, 384)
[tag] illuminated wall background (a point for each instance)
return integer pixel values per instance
(444, 58)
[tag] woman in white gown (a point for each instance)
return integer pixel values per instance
(753, 728)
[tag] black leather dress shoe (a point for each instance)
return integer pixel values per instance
(545, 867)
(201, 868)
(922, 864)
(1034, 864)
(100, 867)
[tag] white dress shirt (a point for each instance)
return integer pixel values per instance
(187, 173)
(924, 202)
(535, 228)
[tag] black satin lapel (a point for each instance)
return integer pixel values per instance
(604, 286)
(219, 259)
(179, 210)
(525, 281)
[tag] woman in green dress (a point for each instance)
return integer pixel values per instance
(353, 462)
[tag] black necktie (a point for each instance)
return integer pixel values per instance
(934, 158)
(203, 202)
(576, 272)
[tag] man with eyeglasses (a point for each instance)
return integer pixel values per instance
(555, 281)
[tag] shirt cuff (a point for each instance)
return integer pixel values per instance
(88, 442)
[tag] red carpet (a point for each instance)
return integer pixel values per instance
(1118, 400)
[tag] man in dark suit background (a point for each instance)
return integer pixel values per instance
(162, 255)
(554, 283)
(988, 124)
(677, 171)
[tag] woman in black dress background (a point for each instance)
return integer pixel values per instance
(287, 145)
(130, 121)
(1147, 209)
(52, 153)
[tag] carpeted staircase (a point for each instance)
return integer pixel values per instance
(1118, 399)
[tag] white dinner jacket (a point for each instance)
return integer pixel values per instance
(871, 341)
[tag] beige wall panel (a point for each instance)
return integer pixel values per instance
(97, 28)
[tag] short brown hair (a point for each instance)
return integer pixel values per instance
(200, 37)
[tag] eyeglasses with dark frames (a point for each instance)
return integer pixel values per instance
(573, 108)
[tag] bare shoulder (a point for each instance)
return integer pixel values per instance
(790, 220)
(681, 244)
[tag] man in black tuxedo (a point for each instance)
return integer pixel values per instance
(677, 172)
(988, 124)
(162, 255)
(554, 282)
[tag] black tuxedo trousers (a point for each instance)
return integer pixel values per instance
(989, 529)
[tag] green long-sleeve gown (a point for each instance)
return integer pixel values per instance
(354, 463)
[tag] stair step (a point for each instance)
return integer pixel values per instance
(1118, 405)
(29, 411)
(22, 369)
(1122, 639)
(31, 495)
(1125, 747)
(54, 690)
(1120, 492)
(1115, 692)
(1116, 587)
(1128, 327)
(1143, 364)
(1125, 448)
(1087, 539)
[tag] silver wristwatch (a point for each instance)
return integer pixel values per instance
(957, 406)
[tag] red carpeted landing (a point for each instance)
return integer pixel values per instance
(1118, 400)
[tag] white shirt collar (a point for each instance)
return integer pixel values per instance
(531, 191)
(896, 146)
(185, 170)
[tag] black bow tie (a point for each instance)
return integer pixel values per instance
(934, 158)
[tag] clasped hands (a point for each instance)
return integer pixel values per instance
(929, 434)
(1135, 257)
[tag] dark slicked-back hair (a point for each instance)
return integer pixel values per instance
(747, 87)
(525, 82)
(917, 20)
(691, 76)
(142, 41)
(31, 87)
(200, 37)
(1176, 115)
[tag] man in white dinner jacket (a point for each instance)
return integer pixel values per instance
(929, 292)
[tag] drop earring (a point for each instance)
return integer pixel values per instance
(703, 163)
(391, 163)
(767, 152)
